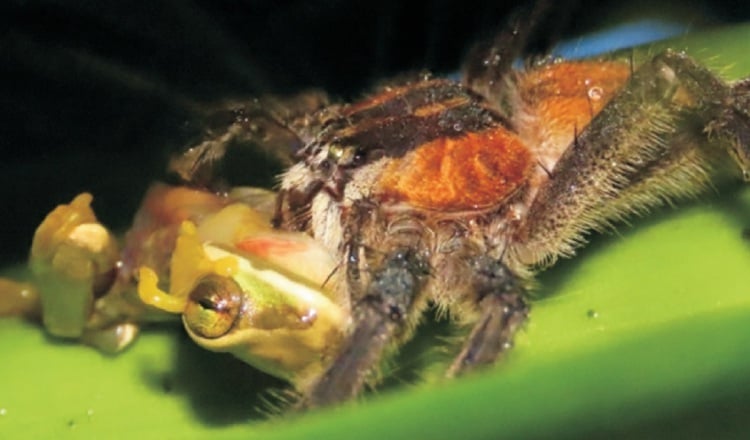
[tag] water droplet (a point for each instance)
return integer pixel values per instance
(593, 314)
(595, 93)
(458, 126)
(493, 61)
(309, 317)
(3, 411)
(667, 73)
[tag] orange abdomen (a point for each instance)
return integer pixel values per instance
(476, 170)
(559, 100)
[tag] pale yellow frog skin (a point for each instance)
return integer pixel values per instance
(238, 285)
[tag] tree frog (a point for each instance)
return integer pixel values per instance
(239, 285)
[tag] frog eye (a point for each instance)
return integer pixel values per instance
(213, 306)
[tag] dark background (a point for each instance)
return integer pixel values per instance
(95, 94)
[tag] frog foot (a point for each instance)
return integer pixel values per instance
(18, 299)
(113, 339)
(73, 258)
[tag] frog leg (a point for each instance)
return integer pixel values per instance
(111, 339)
(19, 299)
(73, 260)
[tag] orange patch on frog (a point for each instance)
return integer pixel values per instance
(473, 171)
(264, 246)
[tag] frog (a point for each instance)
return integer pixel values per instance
(212, 261)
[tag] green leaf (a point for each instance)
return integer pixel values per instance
(643, 334)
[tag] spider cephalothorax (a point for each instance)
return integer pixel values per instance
(391, 147)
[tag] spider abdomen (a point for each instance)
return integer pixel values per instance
(451, 174)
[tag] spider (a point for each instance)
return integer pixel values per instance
(455, 193)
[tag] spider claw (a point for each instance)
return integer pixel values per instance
(501, 316)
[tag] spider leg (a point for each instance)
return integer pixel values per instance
(378, 318)
(384, 294)
(267, 126)
(491, 60)
(660, 138)
(502, 310)
(733, 124)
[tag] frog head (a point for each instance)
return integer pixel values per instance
(255, 299)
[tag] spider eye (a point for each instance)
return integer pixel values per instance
(347, 156)
(359, 157)
(325, 166)
(213, 306)
(336, 152)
